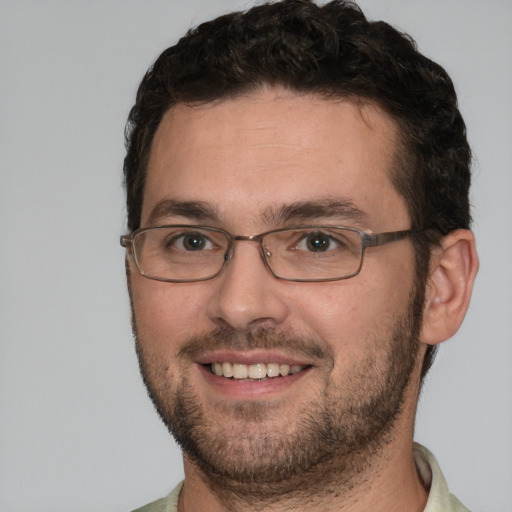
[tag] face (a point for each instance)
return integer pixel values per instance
(269, 160)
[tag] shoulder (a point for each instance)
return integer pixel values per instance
(439, 498)
(167, 504)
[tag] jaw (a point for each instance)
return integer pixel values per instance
(349, 469)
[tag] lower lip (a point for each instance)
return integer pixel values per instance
(251, 389)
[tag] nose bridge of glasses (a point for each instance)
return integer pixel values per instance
(258, 239)
(250, 238)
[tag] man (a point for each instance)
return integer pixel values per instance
(297, 189)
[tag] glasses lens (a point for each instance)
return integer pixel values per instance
(180, 253)
(316, 253)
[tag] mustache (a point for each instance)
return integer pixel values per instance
(261, 339)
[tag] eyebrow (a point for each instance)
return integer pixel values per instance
(297, 212)
(200, 211)
(328, 208)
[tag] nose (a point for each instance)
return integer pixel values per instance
(247, 295)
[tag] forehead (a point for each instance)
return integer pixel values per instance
(274, 148)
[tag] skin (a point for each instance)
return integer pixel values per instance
(245, 158)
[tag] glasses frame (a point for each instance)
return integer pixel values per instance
(367, 240)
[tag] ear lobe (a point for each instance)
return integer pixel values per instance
(453, 269)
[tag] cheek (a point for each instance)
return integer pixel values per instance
(353, 316)
(336, 315)
(164, 313)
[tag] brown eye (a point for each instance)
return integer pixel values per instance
(318, 242)
(190, 242)
(194, 242)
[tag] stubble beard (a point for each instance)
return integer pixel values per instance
(332, 439)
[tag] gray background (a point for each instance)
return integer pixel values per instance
(77, 432)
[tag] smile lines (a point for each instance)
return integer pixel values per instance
(254, 371)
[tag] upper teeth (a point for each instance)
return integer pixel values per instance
(254, 371)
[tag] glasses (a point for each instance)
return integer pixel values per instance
(185, 253)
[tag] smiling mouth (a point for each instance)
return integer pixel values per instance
(257, 371)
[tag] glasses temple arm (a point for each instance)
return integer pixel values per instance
(374, 240)
(126, 241)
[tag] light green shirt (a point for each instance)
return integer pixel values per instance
(439, 497)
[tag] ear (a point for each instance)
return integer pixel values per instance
(453, 269)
